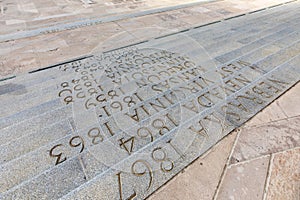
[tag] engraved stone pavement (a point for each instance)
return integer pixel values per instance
(121, 123)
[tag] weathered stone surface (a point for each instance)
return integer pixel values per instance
(258, 43)
(34, 125)
(51, 185)
(267, 138)
(285, 176)
(239, 184)
(287, 102)
(271, 113)
(30, 142)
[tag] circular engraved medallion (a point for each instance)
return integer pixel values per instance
(133, 98)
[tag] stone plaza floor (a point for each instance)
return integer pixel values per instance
(138, 99)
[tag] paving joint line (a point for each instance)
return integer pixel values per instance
(250, 160)
(240, 15)
(259, 10)
(7, 78)
(123, 47)
(285, 150)
(225, 168)
(207, 24)
(202, 156)
(268, 177)
(279, 120)
(69, 132)
(56, 65)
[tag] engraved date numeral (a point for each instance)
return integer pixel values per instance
(141, 168)
(75, 142)
(57, 156)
